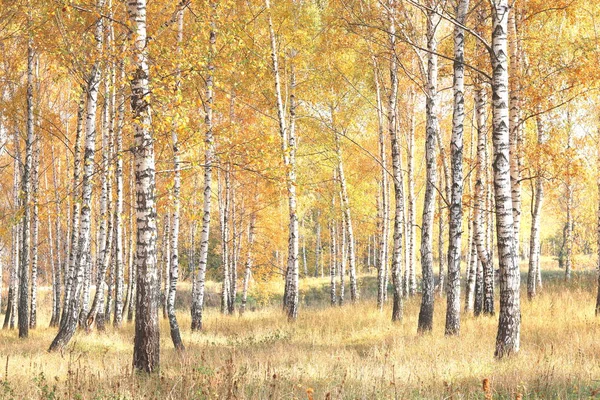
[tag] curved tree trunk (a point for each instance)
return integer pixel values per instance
(82, 247)
(69, 276)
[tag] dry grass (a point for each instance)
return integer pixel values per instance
(329, 353)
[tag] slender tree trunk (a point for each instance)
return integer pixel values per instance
(166, 263)
(345, 203)
(249, 262)
(332, 261)
(69, 276)
(304, 262)
(96, 313)
(318, 246)
(26, 188)
(35, 181)
(174, 270)
(427, 300)
(509, 325)
(471, 285)
(146, 349)
(56, 272)
(456, 148)
(233, 252)
(224, 219)
(536, 210)
(82, 260)
(396, 169)
(479, 231)
(118, 217)
(292, 261)
(514, 126)
(569, 197)
(198, 296)
(11, 301)
(383, 204)
(412, 209)
(598, 227)
(343, 259)
(130, 259)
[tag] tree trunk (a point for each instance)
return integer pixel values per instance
(249, 262)
(515, 130)
(224, 219)
(58, 264)
(471, 285)
(318, 246)
(69, 276)
(131, 246)
(427, 300)
(174, 270)
(509, 324)
(412, 209)
(166, 263)
(343, 258)
(35, 181)
(146, 349)
(332, 260)
(198, 296)
(479, 231)
(26, 187)
(96, 313)
(456, 149)
(11, 301)
(536, 210)
(345, 203)
(73, 310)
(396, 169)
(383, 204)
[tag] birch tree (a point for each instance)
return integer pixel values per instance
(174, 264)
(146, 349)
(198, 296)
(73, 309)
(288, 149)
(431, 133)
(26, 188)
(536, 210)
(456, 147)
(396, 168)
(509, 324)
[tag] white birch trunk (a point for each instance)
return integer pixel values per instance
(198, 296)
(146, 349)
(509, 325)
(456, 148)
(536, 211)
(425, 323)
(174, 264)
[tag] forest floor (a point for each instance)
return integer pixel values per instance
(349, 352)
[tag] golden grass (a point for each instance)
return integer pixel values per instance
(343, 352)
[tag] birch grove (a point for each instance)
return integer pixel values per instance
(262, 173)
